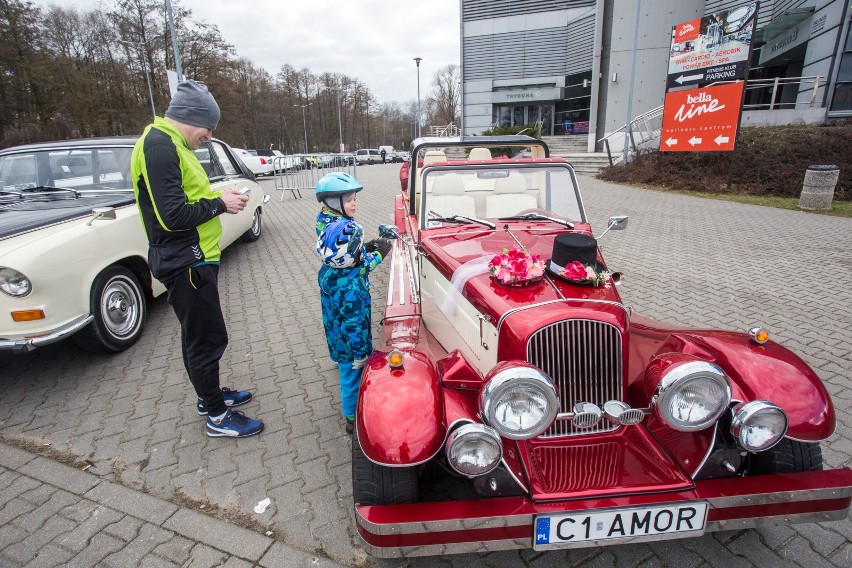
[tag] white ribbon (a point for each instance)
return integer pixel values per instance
(460, 277)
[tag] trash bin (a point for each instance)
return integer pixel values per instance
(818, 187)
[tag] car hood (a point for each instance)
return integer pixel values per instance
(466, 246)
(29, 213)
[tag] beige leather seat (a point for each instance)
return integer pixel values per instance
(479, 154)
(509, 197)
(434, 156)
(448, 197)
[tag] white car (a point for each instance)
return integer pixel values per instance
(73, 252)
(368, 156)
(259, 165)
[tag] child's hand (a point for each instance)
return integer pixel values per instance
(382, 246)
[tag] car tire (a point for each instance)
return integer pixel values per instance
(373, 484)
(789, 456)
(254, 231)
(118, 303)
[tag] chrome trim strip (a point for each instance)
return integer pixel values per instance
(472, 523)
(709, 451)
(736, 524)
(30, 343)
(402, 268)
(772, 498)
(521, 308)
(391, 280)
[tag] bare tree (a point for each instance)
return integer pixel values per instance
(443, 101)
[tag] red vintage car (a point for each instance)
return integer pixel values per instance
(514, 407)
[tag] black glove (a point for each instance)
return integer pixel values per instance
(382, 246)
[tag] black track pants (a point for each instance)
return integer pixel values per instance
(194, 295)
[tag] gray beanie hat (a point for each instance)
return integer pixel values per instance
(193, 104)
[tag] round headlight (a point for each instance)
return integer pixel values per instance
(758, 425)
(13, 282)
(474, 449)
(520, 402)
(692, 396)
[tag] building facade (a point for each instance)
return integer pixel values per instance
(592, 65)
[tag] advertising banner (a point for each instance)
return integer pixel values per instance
(702, 120)
(713, 48)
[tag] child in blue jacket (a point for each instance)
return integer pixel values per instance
(344, 283)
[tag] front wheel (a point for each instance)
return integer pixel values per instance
(789, 456)
(254, 231)
(373, 484)
(117, 302)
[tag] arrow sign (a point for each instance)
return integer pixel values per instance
(684, 78)
(671, 142)
(721, 140)
(694, 140)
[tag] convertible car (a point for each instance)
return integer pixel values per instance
(516, 402)
(73, 253)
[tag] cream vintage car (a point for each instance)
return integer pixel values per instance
(73, 253)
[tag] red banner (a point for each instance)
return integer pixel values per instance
(701, 120)
(687, 31)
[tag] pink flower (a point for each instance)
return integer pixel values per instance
(590, 273)
(536, 270)
(519, 268)
(575, 271)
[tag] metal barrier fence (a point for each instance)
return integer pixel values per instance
(303, 171)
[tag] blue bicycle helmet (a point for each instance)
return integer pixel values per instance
(339, 244)
(334, 189)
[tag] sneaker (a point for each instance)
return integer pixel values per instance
(232, 398)
(235, 424)
(350, 425)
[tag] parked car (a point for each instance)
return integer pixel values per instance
(277, 160)
(368, 156)
(510, 406)
(258, 165)
(73, 252)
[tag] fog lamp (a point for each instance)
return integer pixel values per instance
(519, 402)
(474, 449)
(758, 425)
(396, 358)
(692, 396)
(759, 335)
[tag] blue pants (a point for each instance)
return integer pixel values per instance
(350, 382)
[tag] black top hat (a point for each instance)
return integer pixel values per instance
(570, 247)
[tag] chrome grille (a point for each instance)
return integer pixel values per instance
(583, 357)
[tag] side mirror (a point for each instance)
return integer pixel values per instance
(389, 232)
(101, 213)
(616, 223)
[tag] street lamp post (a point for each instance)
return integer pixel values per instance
(304, 124)
(141, 45)
(417, 60)
(340, 121)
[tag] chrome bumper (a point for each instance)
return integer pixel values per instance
(30, 343)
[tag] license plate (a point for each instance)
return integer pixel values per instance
(633, 524)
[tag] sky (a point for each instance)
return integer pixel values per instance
(374, 41)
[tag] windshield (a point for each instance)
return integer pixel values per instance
(84, 170)
(493, 193)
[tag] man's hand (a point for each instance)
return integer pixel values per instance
(234, 202)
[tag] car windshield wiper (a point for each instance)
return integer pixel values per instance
(461, 219)
(47, 188)
(531, 216)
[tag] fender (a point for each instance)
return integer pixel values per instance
(400, 411)
(774, 373)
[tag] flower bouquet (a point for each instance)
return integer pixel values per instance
(579, 273)
(516, 267)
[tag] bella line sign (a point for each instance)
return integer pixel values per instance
(703, 119)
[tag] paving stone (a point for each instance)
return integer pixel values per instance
(202, 556)
(149, 536)
(100, 546)
(126, 528)
(50, 555)
(213, 532)
(34, 520)
(132, 502)
(281, 555)
(54, 473)
(80, 537)
(13, 457)
(177, 549)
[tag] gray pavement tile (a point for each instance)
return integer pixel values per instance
(58, 474)
(49, 556)
(87, 527)
(218, 534)
(101, 546)
(13, 457)
(147, 538)
(843, 556)
(154, 561)
(132, 502)
(748, 545)
(799, 552)
(281, 555)
(35, 519)
(28, 549)
(177, 549)
(126, 528)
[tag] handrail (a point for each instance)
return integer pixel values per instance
(450, 130)
(645, 118)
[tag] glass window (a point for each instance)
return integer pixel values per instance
(225, 160)
(517, 115)
(532, 114)
(842, 97)
(207, 162)
(844, 73)
(505, 116)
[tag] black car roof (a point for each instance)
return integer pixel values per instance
(76, 143)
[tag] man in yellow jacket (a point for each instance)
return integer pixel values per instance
(180, 214)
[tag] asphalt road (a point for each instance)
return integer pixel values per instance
(685, 260)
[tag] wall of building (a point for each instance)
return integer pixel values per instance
(617, 29)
